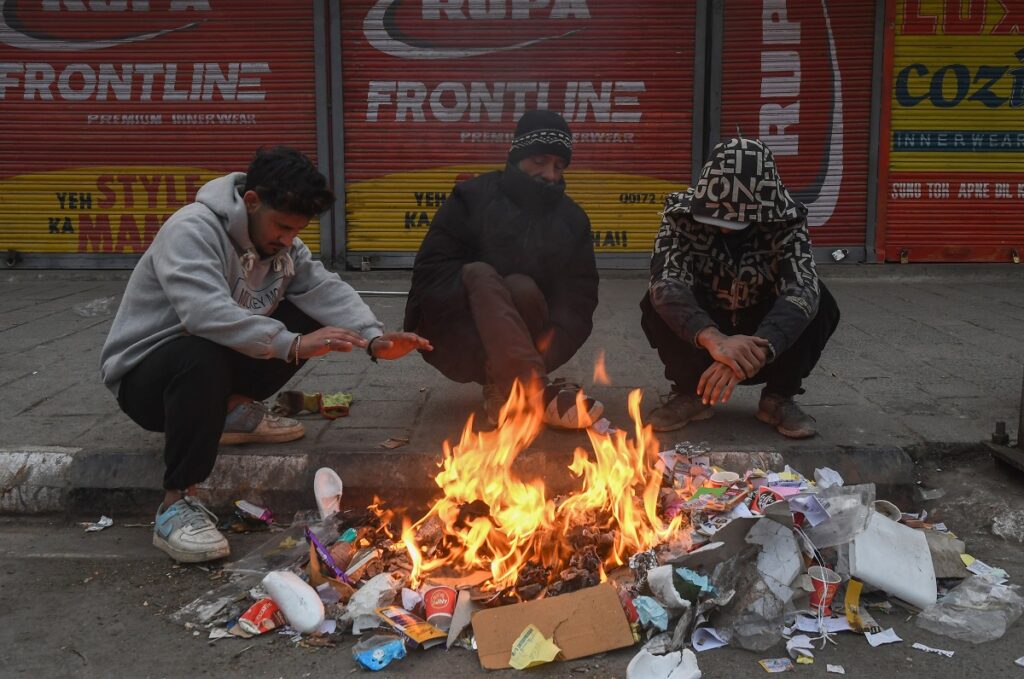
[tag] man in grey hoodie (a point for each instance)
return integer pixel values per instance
(220, 312)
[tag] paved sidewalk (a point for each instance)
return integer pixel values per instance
(923, 355)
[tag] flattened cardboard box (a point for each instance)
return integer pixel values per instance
(582, 623)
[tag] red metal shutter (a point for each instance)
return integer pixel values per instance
(798, 75)
(114, 113)
(432, 92)
(955, 146)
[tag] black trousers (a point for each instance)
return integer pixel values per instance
(685, 363)
(182, 389)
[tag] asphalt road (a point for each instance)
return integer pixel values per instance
(76, 604)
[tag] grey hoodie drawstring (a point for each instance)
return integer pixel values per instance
(248, 260)
(282, 261)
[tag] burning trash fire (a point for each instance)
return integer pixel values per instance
(661, 545)
(488, 518)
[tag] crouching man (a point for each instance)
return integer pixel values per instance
(505, 283)
(219, 313)
(734, 297)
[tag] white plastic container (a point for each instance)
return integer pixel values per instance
(327, 487)
(298, 601)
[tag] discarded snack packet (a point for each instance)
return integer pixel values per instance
(262, 616)
(377, 652)
(333, 406)
(762, 498)
(729, 499)
(249, 510)
(418, 631)
(327, 560)
(773, 665)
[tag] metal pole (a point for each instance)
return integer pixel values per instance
(1020, 418)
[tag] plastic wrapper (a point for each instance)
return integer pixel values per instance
(849, 507)
(977, 610)
(286, 549)
(753, 616)
(378, 591)
(376, 652)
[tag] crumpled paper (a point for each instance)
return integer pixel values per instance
(532, 648)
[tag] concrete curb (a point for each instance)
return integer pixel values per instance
(35, 480)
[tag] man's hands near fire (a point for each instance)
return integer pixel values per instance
(392, 345)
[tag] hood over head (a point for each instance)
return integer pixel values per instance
(740, 185)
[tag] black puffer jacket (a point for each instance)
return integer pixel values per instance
(516, 225)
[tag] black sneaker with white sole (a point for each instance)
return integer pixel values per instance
(567, 407)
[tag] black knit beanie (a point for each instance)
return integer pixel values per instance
(541, 132)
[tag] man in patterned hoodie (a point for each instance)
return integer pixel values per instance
(734, 296)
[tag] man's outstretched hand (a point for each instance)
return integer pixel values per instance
(744, 354)
(328, 339)
(392, 345)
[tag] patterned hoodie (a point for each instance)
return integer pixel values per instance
(767, 256)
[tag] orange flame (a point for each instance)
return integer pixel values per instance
(600, 372)
(620, 488)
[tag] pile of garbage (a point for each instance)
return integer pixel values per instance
(764, 559)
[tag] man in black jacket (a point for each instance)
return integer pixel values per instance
(734, 295)
(505, 284)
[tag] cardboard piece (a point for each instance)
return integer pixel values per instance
(461, 582)
(465, 607)
(946, 551)
(896, 560)
(317, 577)
(581, 623)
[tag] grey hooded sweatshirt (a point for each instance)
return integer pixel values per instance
(202, 276)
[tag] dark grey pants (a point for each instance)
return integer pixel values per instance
(503, 336)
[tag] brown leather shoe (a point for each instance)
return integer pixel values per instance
(678, 411)
(785, 415)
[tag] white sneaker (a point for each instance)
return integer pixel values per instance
(252, 422)
(187, 532)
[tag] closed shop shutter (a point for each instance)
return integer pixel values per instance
(955, 189)
(114, 113)
(432, 91)
(798, 75)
